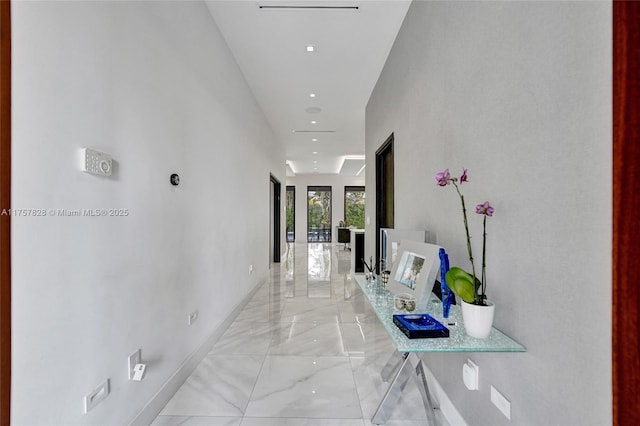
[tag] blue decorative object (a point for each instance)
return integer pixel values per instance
(447, 294)
(417, 326)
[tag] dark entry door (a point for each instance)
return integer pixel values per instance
(275, 215)
(384, 189)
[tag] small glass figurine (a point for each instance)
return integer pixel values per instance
(384, 278)
(369, 276)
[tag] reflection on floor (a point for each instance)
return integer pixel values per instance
(316, 361)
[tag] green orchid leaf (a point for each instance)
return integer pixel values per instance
(461, 283)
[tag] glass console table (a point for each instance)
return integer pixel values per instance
(397, 371)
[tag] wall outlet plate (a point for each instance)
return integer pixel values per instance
(470, 375)
(501, 402)
(96, 396)
(133, 360)
(139, 371)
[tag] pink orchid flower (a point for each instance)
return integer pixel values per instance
(443, 178)
(464, 177)
(485, 209)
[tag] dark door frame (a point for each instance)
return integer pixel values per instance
(5, 220)
(277, 188)
(381, 195)
(626, 203)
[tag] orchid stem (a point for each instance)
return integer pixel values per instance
(484, 250)
(466, 228)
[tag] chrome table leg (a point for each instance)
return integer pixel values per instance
(397, 385)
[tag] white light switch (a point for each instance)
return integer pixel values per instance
(470, 375)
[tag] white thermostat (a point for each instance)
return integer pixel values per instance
(96, 162)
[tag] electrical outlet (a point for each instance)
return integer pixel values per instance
(470, 375)
(250, 269)
(193, 316)
(134, 358)
(501, 402)
(95, 397)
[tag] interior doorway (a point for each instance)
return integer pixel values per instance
(274, 234)
(626, 228)
(384, 190)
(5, 220)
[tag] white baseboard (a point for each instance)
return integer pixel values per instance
(448, 410)
(151, 410)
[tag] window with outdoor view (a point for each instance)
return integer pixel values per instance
(354, 206)
(290, 212)
(319, 213)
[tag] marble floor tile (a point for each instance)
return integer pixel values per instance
(196, 421)
(246, 338)
(309, 387)
(322, 310)
(220, 386)
(260, 313)
(169, 420)
(279, 421)
(319, 290)
(308, 339)
(354, 338)
(356, 310)
(393, 422)
(306, 350)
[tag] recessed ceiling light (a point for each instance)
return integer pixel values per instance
(310, 48)
(315, 162)
(315, 152)
(312, 95)
(313, 122)
(313, 110)
(314, 140)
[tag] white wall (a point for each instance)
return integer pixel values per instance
(154, 85)
(519, 93)
(337, 184)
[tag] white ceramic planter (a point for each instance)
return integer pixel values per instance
(478, 319)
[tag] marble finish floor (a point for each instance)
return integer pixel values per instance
(305, 351)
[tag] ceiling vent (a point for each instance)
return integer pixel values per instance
(307, 7)
(313, 131)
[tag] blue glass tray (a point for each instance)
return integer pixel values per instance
(420, 326)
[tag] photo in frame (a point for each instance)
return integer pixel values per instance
(390, 240)
(415, 271)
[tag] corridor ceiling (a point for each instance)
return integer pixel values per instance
(314, 100)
